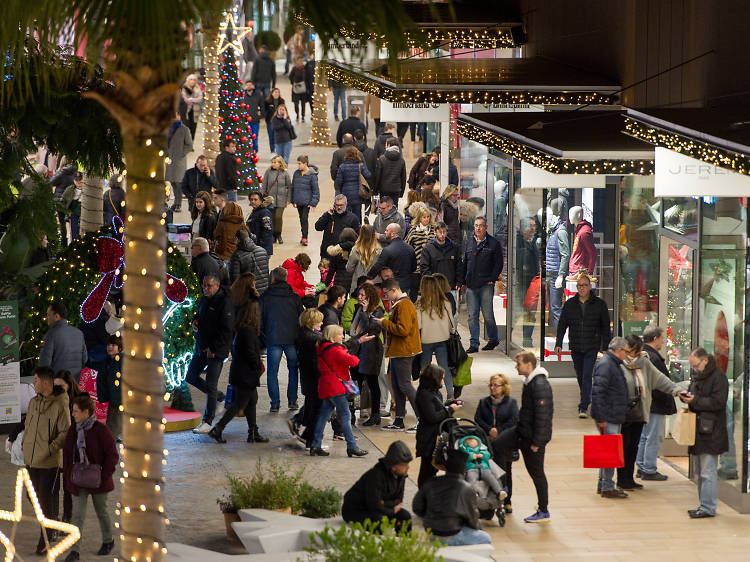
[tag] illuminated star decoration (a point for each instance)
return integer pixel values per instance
(24, 480)
(678, 262)
(237, 34)
(110, 254)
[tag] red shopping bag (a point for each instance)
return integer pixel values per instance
(603, 451)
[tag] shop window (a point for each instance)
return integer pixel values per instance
(681, 216)
(723, 270)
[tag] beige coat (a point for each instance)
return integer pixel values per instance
(47, 423)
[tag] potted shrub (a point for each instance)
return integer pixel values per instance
(270, 39)
(317, 503)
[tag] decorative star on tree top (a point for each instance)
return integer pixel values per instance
(237, 34)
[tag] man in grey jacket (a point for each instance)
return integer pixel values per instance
(64, 348)
(387, 214)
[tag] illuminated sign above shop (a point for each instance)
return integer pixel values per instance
(678, 175)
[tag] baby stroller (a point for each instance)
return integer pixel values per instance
(452, 430)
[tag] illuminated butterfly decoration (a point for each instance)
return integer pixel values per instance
(110, 261)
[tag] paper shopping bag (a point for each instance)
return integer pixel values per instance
(683, 431)
(603, 451)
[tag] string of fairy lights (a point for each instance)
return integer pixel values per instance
(455, 37)
(549, 162)
(210, 113)
(320, 134)
(739, 163)
(476, 95)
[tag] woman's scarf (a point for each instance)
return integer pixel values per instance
(634, 365)
(82, 428)
(173, 129)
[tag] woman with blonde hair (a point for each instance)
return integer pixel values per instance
(448, 213)
(421, 231)
(364, 253)
(277, 184)
(496, 413)
(189, 106)
(435, 324)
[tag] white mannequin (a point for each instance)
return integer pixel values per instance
(575, 215)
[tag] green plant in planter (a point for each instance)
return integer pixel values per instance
(270, 487)
(355, 542)
(317, 503)
(268, 38)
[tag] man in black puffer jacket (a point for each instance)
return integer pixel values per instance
(248, 257)
(333, 221)
(441, 255)
(534, 429)
(213, 328)
(587, 317)
(390, 172)
(609, 402)
(368, 154)
(207, 263)
(379, 492)
(662, 404)
(397, 256)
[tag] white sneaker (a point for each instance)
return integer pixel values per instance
(203, 428)
(220, 409)
(412, 429)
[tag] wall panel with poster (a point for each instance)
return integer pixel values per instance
(10, 372)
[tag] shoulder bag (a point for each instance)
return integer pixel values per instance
(350, 387)
(365, 191)
(85, 474)
(299, 88)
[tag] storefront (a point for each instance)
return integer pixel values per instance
(703, 182)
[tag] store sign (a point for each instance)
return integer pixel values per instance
(414, 112)
(678, 175)
(533, 177)
(10, 371)
(501, 108)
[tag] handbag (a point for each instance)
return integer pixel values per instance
(463, 373)
(350, 387)
(416, 369)
(531, 300)
(365, 191)
(456, 352)
(85, 474)
(299, 88)
(683, 430)
(292, 132)
(603, 451)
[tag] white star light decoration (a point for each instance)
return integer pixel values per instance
(24, 480)
(238, 33)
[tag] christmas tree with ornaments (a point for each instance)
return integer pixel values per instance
(234, 122)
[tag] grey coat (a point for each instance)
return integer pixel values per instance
(179, 146)
(64, 349)
(277, 184)
(653, 379)
(355, 267)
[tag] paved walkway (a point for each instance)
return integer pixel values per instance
(651, 525)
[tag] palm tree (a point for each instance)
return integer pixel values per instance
(91, 203)
(141, 46)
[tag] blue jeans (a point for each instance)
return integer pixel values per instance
(476, 300)
(232, 195)
(356, 209)
(584, 366)
(284, 149)
(271, 143)
(212, 366)
(75, 226)
(341, 404)
(274, 359)
(265, 88)
(440, 349)
(606, 475)
(255, 129)
(648, 447)
(555, 298)
(466, 536)
(705, 466)
(339, 96)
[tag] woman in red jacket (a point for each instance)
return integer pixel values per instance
(90, 440)
(334, 362)
(295, 274)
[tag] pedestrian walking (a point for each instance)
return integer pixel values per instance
(333, 221)
(435, 325)
(363, 255)
(189, 107)
(397, 256)
(63, 346)
(276, 183)
(334, 362)
(390, 172)
(586, 318)
(299, 88)
(225, 233)
(305, 193)
(283, 132)
(277, 305)
(179, 145)
(247, 367)
(480, 268)
(350, 124)
(421, 231)
(226, 170)
(339, 257)
(89, 441)
(387, 214)
(260, 221)
(348, 180)
(248, 257)
(448, 213)
(255, 102)
(198, 178)
(272, 103)
(263, 74)
(204, 216)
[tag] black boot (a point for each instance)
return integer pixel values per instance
(106, 548)
(254, 437)
(216, 434)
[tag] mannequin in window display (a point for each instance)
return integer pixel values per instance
(584, 253)
(501, 222)
(558, 256)
(527, 267)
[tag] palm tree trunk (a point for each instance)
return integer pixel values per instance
(320, 134)
(91, 204)
(210, 115)
(142, 528)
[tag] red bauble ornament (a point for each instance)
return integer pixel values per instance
(248, 128)
(228, 137)
(248, 181)
(252, 136)
(221, 119)
(255, 159)
(247, 118)
(230, 104)
(247, 155)
(238, 160)
(243, 138)
(235, 118)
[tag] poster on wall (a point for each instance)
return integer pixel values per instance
(717, 298)
(10, 371)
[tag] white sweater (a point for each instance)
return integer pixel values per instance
(434, 329)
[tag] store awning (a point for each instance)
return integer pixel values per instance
(499, 80)
(557, 148)
(699, 151)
